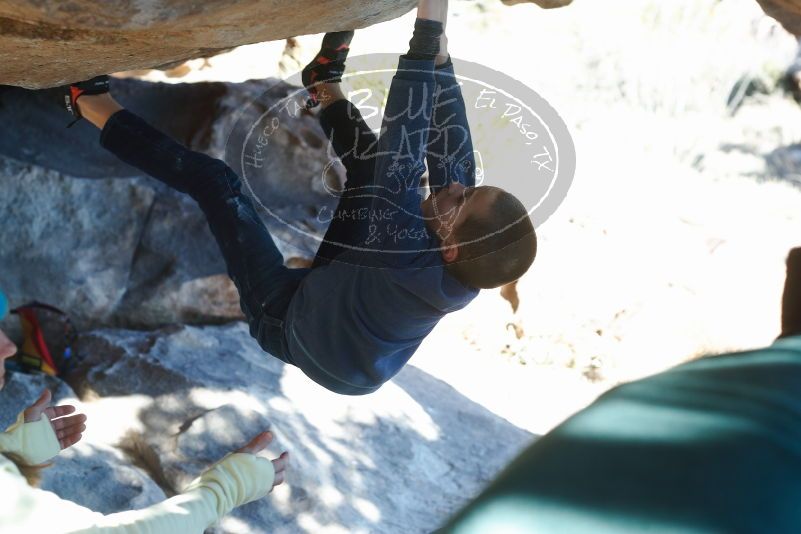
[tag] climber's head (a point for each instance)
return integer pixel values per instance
(487, 237)
(7, 348)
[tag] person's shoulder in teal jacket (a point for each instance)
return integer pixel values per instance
(713, 445)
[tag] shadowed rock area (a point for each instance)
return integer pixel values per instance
(164, 405)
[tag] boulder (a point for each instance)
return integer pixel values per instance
(69, 242)
(49, 43)
(353, 459)
(46, 43)
(100, 478)
(112, 247)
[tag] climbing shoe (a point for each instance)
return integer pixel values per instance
(71, 93)
(327, 66)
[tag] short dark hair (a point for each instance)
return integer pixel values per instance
(497, 247)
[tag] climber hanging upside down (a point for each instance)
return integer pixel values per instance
(378, 285)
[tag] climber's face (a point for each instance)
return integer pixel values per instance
(7, 350)
(441, 210)
(446, 210)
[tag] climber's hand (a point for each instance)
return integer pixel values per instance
(68, 428)
(258, 444)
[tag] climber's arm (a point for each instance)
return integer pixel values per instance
(404, 131)
(450, 154)
(401, 153)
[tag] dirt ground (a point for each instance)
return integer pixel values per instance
(671, 242)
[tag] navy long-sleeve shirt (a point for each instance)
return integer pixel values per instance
(354, 323)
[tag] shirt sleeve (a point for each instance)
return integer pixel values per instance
(237, 479)
(34, 442)
(395, 216)
(450, 154)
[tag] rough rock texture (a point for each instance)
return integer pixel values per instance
(51, 42)
(353, 458)
(788, 12)
(90, 234)
(101, 478)
(45, 43)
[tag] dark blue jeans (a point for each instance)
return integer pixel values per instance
(252, 259)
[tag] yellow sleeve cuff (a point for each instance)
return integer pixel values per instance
(237, 479)
(34, 442)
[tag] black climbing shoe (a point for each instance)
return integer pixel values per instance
(328, 65)
(71, 93)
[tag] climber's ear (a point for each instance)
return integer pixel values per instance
(791, 301)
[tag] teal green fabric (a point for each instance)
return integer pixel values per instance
(3, 305)
(713, 445)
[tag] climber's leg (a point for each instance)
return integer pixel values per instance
(352, 141)
(97, 109)
(355, 144)
(329, 93)
(327, 66)
(252, 259)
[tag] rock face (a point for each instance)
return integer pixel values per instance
(100, 478)
(181, 398)
(788, 12)
(92, 235)
(45, 43)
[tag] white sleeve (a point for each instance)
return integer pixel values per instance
(34, 442)
(237, 479)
